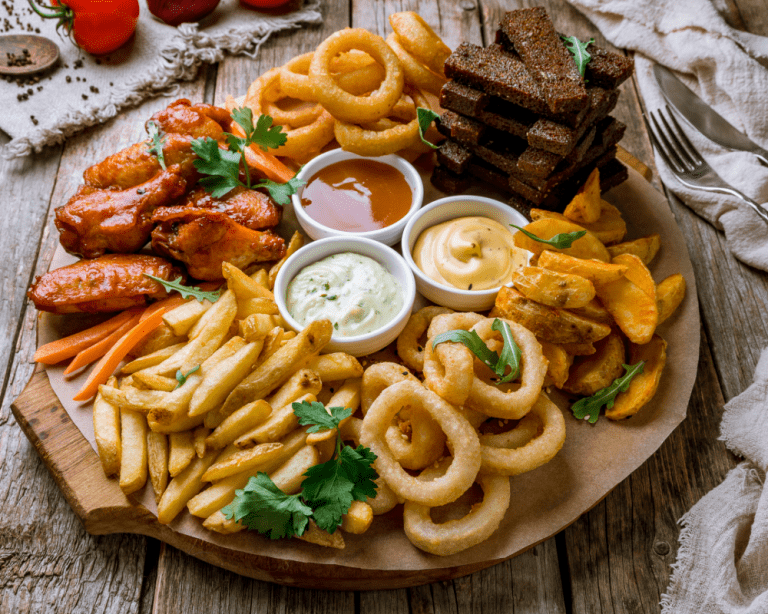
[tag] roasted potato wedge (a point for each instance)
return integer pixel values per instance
(596, 271)
(553, 288)
(669, 294)
(590, 374)
(594, 310)
(637, 273)
(644, 248)
(585, 206)
(610, 228)
(634, 311)
(588, 246)
(559, 363)
(644, 385)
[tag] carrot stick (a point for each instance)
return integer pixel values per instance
(268, 164)
(61, 349)
(166, 304)
(97, 350)
(109, 362)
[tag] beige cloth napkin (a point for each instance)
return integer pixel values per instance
(727, 68)
(84, 91)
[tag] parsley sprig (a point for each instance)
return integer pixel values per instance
(510, 353)
(579, 51)
(424, 118)
(187, 291)
(588, 408)
(326, 493)
(563, 240)
(157, 144)
(222, 168)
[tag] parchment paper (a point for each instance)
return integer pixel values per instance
(594, 459)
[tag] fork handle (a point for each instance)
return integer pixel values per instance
(762, 155)
(755, 207)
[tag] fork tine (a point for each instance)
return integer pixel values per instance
(692, 151)
(670, 154)
(657, 144)
(689, 162)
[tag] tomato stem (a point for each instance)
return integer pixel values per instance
(62, 14)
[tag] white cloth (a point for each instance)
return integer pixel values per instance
(152, 63)
(727, 69)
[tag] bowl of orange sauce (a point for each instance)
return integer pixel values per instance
(349, 195)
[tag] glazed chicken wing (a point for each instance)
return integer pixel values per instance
(110, 283)
(97, 221)
(252, 209)
(203, 239)
(198, 120)
(136, 165)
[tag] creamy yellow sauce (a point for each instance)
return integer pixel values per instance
(354, 292)
(469, 253)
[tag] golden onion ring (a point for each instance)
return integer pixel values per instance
(294, 80)
(449, 371)
(516, 437)
(408, 348)
(420, 40)
(415, 73)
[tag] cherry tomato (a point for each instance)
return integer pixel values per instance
(174, 12)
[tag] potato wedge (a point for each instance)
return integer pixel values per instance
(585, 206)
(106, 429)
(559, 363)
(644, 385)
(610, 228)
(634, 311)
(592, 373)
(553, 288)
(594, 270)
(594, 310)
(549, 323)
(637, 273)
(588, 246)
(580, 349)
(644, 248)
(669, 294)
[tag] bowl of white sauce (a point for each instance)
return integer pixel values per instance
(363, 287)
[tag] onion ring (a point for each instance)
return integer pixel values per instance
(420, 40)
(378, 377)
(454, 321)
(492, 401)
(408, 348)
(294, 80)
(537, 451)
(341, 104)
(307, 141)
(449, 371)
(415, 73)
(462, 440)
(456, 535)
(516, 437)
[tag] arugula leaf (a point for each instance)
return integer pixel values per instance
(510, 354)
(424, 118)
(187, 291)
(261, 506)
(281, 192)
(181, 377)
(588, 408)
(579, 51)
(222, 167)
(158, 142)
(316, 414)
(560, 241)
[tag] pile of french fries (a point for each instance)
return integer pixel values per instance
(593, 306)
(206, 404)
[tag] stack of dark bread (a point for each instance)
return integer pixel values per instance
(521, 117)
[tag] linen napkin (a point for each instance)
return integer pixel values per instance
(83, 90)
(727, 69)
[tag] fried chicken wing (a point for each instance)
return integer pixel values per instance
(204, 238)
(110, 283)
(198, 120)
(136, 165)
(252, 209)
(96, 221)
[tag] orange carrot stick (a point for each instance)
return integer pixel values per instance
(267, 164)
(166, 305)
(97, 350)
(61, 349)
(109, 362)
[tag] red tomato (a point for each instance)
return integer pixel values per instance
(263, 4)
(174, 12)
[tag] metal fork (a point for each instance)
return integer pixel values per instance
(684, 160)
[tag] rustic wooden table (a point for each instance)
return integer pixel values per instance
(616, 558)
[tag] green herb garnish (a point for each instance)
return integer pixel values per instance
(182, 377)
(560, 241)
(579, 51)
(425, 117)
(187, 291)
(157, 144)
(588, 408)
(510, 353)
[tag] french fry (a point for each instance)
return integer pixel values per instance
(182, 488)
(358, 519)
(585, 206)
(347, 396)
(296, 242)
(261, 277)
(549, 323)
(272, 343)
(590, 374)
(256, 306)
(635, 313)
(251, 459)
(133, 457)
(158, 339)
(588, 246)
(315, 535)
(199, 436)
(132, 399)
(281, 421)
(300, 383)
(243, 286)
(181, 320)
(643, 386)
(106, 428)
(181, 424)
(278, 367)
(256, 327)
(150, 360)
(553, 288)
(217, 495)
(336, 366)
(669, 294)
(595, 271)
(637, 273)
(181, 452)
(644, 248)
(559, 363)
(224, 309)
(157, 453)
(151, 381)
(290, 475)
(240, 422)
(220, 524)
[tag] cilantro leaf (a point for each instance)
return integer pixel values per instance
(261, 506)
(265, 135)
(187, 291)
(424, 118)
(181, 377)
(588, 408)
(222, 167)
(158, 142)
(316, 415)
(560, 241)
(510, 353)
(327, 489)
(244, 118)
(357, 464)
(579, 51)
(281, 192)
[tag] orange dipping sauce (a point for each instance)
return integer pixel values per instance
(357, 196)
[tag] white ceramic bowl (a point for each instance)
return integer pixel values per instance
(360, 345)
(443, 210)
(389, 235)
